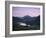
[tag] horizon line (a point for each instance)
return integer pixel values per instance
(25, 15)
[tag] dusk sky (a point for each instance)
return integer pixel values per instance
(23, 11)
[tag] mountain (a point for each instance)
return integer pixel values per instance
(37, 19)
(34, 22)
(27, 17)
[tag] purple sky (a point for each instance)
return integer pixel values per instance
(22, 11)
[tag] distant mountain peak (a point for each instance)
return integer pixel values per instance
(27, 16)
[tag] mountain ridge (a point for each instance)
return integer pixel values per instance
(34, 22)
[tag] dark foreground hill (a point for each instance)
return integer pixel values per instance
(26, 23)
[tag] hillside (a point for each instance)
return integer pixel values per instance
(31, 23)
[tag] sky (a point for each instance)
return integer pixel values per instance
(23, 11)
